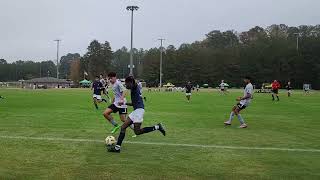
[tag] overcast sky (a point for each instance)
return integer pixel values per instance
(28, 27)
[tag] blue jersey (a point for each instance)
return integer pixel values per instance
(97, 85)
(136, 98)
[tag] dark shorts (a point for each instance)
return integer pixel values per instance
(241, 107)
(115, 109)
(222, 89)
(275, 91)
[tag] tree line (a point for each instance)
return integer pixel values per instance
(264, 54)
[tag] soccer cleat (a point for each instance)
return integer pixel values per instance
(243, 126)
(134, 136)
(115, 129)
(113, 149)
(227, 123)
(162, 129)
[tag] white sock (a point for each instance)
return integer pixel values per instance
(156, 127)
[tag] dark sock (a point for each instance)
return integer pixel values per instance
(121, 138)
(96, 105)
(272, 97)
(148, 129)
(278, 98)
(104, 100)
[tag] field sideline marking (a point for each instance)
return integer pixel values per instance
(164, 144)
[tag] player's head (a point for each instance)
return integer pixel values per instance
(130, 82)
(275, 81)
(222, 81)
(101, 76)
(112, 76)
(289, 82)
(247, 79)
(97, 78)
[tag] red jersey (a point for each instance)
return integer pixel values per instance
(275, 85)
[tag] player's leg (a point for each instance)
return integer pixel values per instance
(277, 94)
(138, 130)
(121, 136)
(107, 115)
(241, 120)
(272, 95)
(123, 116)
(227, 123)
(95, 102)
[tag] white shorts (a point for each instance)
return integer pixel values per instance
(188, 94)
(98, 97)
(137, 115)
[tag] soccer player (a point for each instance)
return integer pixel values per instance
(242, 104)
(104, 86)
(222, 87)
(97, 88)
(306, 88)
(275, 89)
(136, 117)
(119, 98)
(289, 88)
(188, 91)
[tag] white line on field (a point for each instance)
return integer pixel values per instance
(164, 144)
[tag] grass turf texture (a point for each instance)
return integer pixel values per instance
(291, 123)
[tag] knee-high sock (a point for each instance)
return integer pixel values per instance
(121, 137)
(240, 119)
(231, 116)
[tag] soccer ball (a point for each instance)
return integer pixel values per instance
(110, 140)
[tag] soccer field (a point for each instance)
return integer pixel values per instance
(58, 134)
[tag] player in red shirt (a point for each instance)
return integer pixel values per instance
(275, 89)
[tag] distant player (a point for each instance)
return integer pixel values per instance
(243, 103)
(97, 88)
(306, 88)
(119, 98)
(188, 91)
(222, 87)
(104, 85)
(289, 88)
(1, 97)
(136, 117)
(275, 89)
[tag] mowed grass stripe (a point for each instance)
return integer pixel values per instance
(165, 144)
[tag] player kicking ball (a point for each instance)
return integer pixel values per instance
(136, 117)
(243, 103)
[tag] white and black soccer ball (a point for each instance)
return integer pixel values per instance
(110, 141)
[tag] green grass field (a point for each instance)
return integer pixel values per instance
(57, 134)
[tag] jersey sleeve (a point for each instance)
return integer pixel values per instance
(121, 87)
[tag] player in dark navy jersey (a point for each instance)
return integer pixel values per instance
(136, 117)
(97, 88)
(188, 90)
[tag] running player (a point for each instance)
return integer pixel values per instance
(97, 88)
(275, 89)
(242, 104)
(188, 91)
(289, 88)
(136, 117)
(119, 98)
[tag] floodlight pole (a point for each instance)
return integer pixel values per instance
(131, 8)
(298, 35)
(58, 44)
(160, 74)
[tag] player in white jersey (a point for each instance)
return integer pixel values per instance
(119, 98)
(243, 102)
